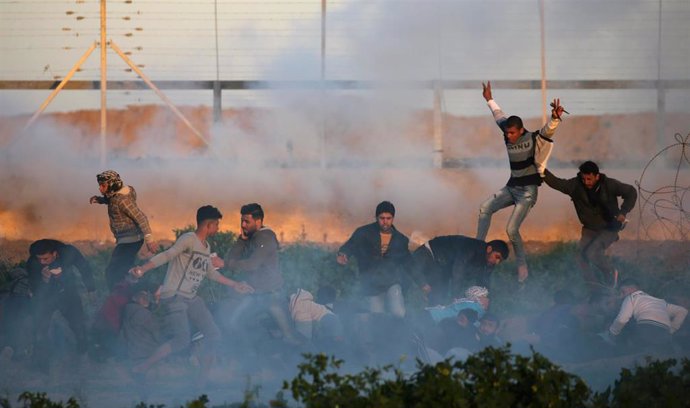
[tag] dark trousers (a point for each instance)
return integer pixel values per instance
(592, 252)
(651, 337)
(68, 303)
(121, 261)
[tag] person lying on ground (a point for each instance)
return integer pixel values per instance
(488, 331)
(315, 322)
(457, 333)
(476, 298)
(655, 319)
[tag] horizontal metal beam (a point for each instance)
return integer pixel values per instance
(351, 84)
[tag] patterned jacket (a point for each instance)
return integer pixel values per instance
(127, 222)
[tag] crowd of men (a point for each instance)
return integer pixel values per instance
(453, 273)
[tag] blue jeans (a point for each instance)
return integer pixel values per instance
(391, 301)
(523, 198)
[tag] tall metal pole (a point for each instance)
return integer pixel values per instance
(437, 155)
(438, 126)
(543, 61)
(217, 99)
(323, 39)
(324, 161)
(660, 91)
(104, 86)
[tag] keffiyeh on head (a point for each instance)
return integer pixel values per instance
(476, 292)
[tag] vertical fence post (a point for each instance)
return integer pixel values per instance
(217, 102)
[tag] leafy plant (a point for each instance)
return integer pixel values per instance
(490, 378)
(656, 384)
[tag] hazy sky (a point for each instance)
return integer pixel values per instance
(413, 39)
(372, 39)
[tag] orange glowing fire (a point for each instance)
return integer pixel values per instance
(70, 218)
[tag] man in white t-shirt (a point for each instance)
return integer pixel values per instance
(189, 262)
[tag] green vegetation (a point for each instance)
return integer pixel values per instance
(490, 378)
(310, 265)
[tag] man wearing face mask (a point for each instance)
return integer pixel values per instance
(53, 282)
(127, 222)
(595, 198)
(382, 256)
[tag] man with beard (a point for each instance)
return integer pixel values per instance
(255, 257)
(382, 256)
(454, 263)
(127, 222)
(595, 198)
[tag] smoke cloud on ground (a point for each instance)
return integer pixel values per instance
(318, 161)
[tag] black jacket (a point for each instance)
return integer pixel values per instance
(600, 214)
(462, 259)
(378, 272)
(68, 258)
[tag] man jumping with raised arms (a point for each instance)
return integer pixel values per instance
(527, 152)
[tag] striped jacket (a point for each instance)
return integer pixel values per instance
(529, 154)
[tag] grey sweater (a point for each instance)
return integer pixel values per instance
(189, 262)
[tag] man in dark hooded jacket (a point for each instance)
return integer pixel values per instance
(595, 198)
